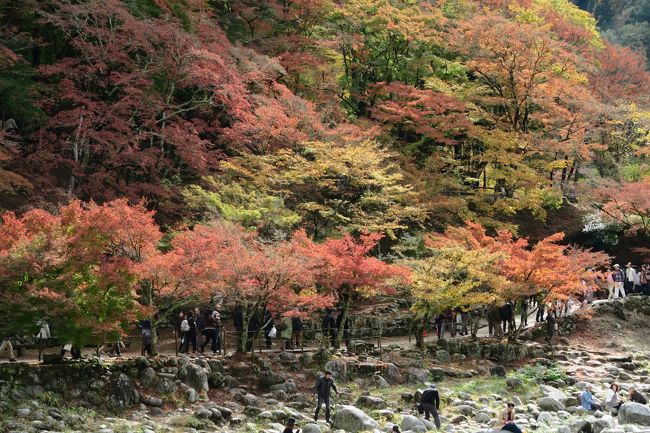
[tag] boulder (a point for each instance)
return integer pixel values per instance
(269, 378)
(443, 356)
(122, 390)
(634, 413)
(418, 375)
(545, 417)
(339, 368)
(550, 404)
(352, 419)
(498, 370)
(380, 382)
(514, 382)
(483, 418)
(191, 395)
(371, 402)
(414, 424)
(310, 428)
(465, 409)
(601, 424)
(582, 426)
(195, 377)
(151, 401)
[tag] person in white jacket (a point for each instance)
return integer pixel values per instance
(630, 278)
(611, 398)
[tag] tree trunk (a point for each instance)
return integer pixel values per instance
(344, 316)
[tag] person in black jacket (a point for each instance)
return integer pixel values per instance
(289, 428)
(323, 389)
(431, 403)
(329, 326)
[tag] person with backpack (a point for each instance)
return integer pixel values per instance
(185, 333)
(190, 333)
(323, 389)
(430, 403)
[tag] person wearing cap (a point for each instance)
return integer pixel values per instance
(430, 401)
(619, 280)
(323, 389)
(291, 424)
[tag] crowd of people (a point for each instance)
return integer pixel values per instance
(612, 401)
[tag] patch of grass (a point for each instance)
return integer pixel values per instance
(541, 373)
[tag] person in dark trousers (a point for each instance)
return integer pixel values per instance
(329, 327)
(145, 325)
(323, 389)
(179, 330)
(523, 308)
(296, 332)
(199, 321)
(238, 322)
(539, 316)
(430, 404)
(507, 315)
(550, 326)
(210, 331)
(190, 335)
(289, 428)
(267, 326)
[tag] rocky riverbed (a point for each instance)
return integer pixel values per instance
(211, 394)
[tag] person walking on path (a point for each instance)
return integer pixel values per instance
(286, 331)
(145, 326)
(323, 389)
(539, 317)
(199, 323)
(636, 396)
(508, 419)
(190, 335)
(329, 327)
(430, 401)
(644, 279)
(550, 326)
(296, 332)
(210, 331)
(631, 278)
(184, 329)
(588, 401)
(267, 326)
(619, 281)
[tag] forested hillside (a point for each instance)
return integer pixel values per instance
(384, 115)
(626, 23)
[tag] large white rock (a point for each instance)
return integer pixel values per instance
(634, 413)
(414, 424)
(550, 404)
(352, 419)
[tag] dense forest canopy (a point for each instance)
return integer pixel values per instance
(145, 143)
(399, 116)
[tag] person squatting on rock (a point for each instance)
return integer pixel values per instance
(323, 389)
(430, 402)
(289, 428)
(508, 419)
(636, 396)
(611, 399)
(588, 401)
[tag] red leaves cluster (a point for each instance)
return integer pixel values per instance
(548, 267)
(431, 114)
